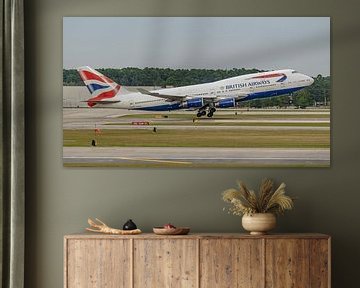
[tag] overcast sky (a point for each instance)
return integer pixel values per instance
(198, 42)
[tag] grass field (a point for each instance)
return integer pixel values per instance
(199, 138)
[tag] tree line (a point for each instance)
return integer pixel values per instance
(316, 94)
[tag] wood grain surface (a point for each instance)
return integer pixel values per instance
(98, 263)
(319, 263)
(165, 263)
(230, 263)
(88, 235)
(287, 263)
(197, 260)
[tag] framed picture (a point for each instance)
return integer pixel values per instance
(196, 91)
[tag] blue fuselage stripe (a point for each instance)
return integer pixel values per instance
(266, 94)
(165, 107)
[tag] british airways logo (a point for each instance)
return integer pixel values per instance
(282, 78)
(99, 86)
(247, 84)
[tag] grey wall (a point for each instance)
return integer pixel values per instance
(75, 96)
(59, 200)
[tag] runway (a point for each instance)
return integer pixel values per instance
(188, 157)
(254, 126)
(83, 118)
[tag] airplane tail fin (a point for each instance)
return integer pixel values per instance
(102, 89)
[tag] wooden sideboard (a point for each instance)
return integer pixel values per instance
(197, 260)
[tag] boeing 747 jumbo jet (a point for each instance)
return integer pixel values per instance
(204, 98)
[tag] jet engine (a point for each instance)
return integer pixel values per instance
(193, 103)
(226, 103)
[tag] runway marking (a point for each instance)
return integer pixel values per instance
(251, 158)
(198, 158)
(155, 160)
(131, 159)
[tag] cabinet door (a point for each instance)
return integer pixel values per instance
(287, 263)
(231, 263)
(98, 263)
(165, 263)
(320, 263)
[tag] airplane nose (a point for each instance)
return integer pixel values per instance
(309, 79)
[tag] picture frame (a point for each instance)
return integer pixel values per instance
(189, 108)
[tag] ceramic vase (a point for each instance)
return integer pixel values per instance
(259, 223)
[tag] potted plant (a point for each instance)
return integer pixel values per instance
(258, 210)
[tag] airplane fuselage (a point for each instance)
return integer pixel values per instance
(235, 89)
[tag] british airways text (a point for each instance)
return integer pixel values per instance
(247, 84)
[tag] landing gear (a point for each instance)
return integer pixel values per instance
(209, 114)
(201, 113)
(290, 99)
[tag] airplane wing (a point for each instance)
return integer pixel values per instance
(238, 97)
(182, 97)
(241, 95)
(165, 96)
(102, 101)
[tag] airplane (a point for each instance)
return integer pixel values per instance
(204, 98)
